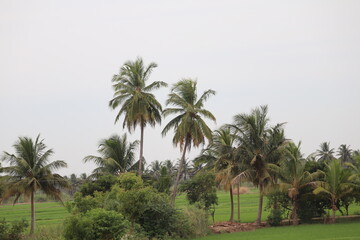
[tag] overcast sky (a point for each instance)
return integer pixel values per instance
(57, 59)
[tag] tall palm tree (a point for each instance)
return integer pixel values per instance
(30, 170)
(293, 176)
(117, 156)
(325, 153)
(345, 153)
(138, 105)
(336, 185)
(189, 126)
(259, 145)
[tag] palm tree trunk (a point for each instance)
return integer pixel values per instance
(232, 205)
(258, 219)
(32, 227)
(238, 202)
(141, 148)
(181, 166)
(294, 212)
(333, 210)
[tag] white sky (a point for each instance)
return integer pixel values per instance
(57, 59)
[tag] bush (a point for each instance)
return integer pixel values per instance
(198, 221)
(82, 204)
(96, 224)
(201, 189)
(102, 184)
(53, 232)
(12, 231)
(275, 217)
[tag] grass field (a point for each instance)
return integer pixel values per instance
(54, 213)
(339, 231)
(48, 213)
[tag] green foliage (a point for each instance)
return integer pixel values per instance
(82, 204)
(102, 184)
(117, 155)
(280, 201)
(48, 232)
(12, 231)
(96, 224)
(198, 220)
(201, 189)
(275, 217)
(129, 181)
(163, 184)
(310, 205)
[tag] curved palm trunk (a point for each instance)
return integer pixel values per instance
(181, 166)
(295, 220)
(232, 205)
(32, 227)
(258, 219)
(238, 202)
(141, 148)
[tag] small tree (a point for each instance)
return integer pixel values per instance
(336, 185)
(201, 189)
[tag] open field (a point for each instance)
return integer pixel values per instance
(54, 213)
(339, 231)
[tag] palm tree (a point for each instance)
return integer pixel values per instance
(345, 153)
(258, 146)
(337, 183)
(189, 126)
(30, 170)
(325, 153)
(117, 156)
(138, 105)
(293, 176)
(227, 165)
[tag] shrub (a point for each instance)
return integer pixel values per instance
(201, 189)
(198, 221)
(96, 224)
(102, 184)
(12, 231)
(128, 181)
(53, 232)
(82, 204)
(275, 217)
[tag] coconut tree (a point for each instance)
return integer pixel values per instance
(189, 126)
(132, 94)
(30, 170)
(337, 184)
(345, 153)
(116, 156)
(325, 153)
(259, 145)
(227, 165)
(293, 176)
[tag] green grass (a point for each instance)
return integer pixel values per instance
(45, 213)
(54, 213)
(339, 231)
(248, 206)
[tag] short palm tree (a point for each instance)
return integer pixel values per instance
(30, 170)
(189, 126)
(259, 145)
(117, 156)
(293, 176)
(138, 105)
(337, 183)
(325, 153)
(227, 165)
